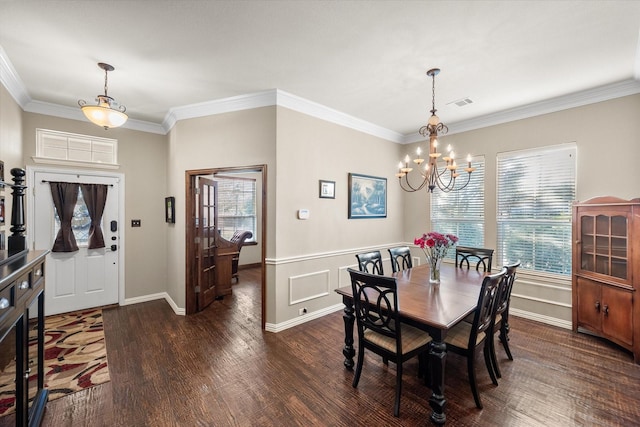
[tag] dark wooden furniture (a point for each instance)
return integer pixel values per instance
(370, 262)
(379, 326)
(22, 306)
(466, 338)
(400, 258)
(238, 239)
(606, 270)
(432, 308)
(466, 256)
(501, 323)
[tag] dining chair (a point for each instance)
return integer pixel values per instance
(375, 300)
(466, 338)
(501, 322)
(400, 258)
(480, 256)
(370, 262)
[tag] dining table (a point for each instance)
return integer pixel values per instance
(434, 308)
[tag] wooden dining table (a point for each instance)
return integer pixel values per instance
(432, 308)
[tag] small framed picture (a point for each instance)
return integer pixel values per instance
(170, 209)
(1, 175)
(327, 189)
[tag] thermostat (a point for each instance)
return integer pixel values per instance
(303, 213)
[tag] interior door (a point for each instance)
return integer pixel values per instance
(88, 277)
(206, 232)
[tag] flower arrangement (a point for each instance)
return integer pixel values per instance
(435, 246)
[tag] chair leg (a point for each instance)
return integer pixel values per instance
(385, 361)
(472, 379)
(356, 375)
(489, 359)
(504, 339)
(494, 358)
(396, 407)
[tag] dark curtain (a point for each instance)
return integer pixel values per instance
(65, 196)
(95, 196)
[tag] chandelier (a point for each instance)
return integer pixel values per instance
(444, 177)
(108, 113)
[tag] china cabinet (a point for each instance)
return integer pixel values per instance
(606, 270)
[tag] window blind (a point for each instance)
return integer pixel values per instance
(536, 189)
(461, 212)
(236, 206)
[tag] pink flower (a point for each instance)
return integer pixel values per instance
(435, 245)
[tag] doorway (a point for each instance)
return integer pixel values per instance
(87, 277)
(191, 201)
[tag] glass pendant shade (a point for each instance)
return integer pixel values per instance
(104, 114)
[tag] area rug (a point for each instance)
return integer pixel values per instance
(75, 357)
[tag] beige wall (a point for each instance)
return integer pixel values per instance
(244, 138)
(10, 145)
(143, 161)
(312, 255)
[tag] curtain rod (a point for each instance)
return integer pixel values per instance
(44, 180)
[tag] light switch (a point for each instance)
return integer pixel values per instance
(136, 223)
(303, 214)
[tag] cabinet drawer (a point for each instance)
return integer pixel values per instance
(38, 272)
(23, 285)
(7, 301)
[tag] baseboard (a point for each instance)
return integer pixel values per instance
(553, 321)
(278, 327)
(245, 266)
(152, 297)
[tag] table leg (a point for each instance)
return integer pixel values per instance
(349, 319)
(437, 359)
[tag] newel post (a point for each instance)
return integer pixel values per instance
(17, 241)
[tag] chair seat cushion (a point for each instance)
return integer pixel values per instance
(459, 335)
(412, 338)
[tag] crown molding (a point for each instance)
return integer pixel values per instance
(219, 106)
(565, 102)
(275, 97)
(320, 111)
(11, 81)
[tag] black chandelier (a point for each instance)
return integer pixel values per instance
(446, 178)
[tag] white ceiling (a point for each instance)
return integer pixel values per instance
(366, 59)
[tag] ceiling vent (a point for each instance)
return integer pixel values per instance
(461, 102)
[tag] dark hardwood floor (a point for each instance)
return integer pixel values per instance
(217, 368)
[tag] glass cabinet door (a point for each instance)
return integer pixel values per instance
(604, 245)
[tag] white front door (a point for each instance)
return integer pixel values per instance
(88, 277)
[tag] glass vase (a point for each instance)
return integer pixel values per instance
(434, 270)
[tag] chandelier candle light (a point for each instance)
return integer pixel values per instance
(108, 113)
(432, 177)
(435, 246)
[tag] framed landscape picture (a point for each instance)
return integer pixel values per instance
(367, 196)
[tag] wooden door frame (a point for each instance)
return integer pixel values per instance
(190, 279)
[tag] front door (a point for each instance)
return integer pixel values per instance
(87, 277)
(206, 232)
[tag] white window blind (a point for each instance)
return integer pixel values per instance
(461, 212)
(236, 206)
(536, 189)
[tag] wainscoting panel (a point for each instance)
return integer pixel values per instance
(309, 286)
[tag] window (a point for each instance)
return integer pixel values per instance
(236, 205)
(461, 212)
(65, 148)
(80, 223)
(536, 189)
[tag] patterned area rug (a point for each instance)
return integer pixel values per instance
(75, 357)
